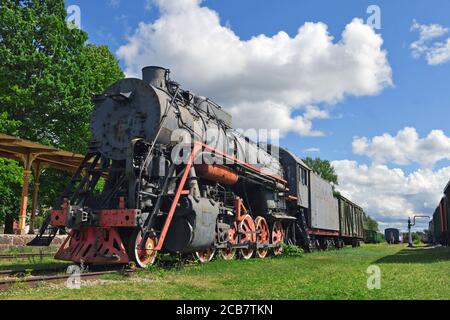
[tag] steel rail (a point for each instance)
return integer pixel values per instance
(34, 281)
(25, 255)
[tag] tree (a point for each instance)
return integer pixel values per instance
(371, 224)
(323, 168)
(48, 74)
(10, 176)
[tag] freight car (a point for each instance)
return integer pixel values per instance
(404, 237)
(351, 217)
(426, 237)
(432, 238)
(392, 236)
(180, 180)
(323, 219)
(371, 236)
(440, 225)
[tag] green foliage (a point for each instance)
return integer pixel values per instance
(7, 125)
(323, 168)
(370, 223)
(10, 188)
(48, 73)
(416, 237)
(291, 251)
(48, 76)
(10, 175)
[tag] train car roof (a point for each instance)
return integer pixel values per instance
(351, 202)
(447, 187)
(290, 154)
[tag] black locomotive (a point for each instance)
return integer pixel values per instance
(178, 179)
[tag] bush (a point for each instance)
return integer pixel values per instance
(292, 251)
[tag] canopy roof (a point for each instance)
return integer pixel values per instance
(28, 152)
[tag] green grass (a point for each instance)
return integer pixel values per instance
(419, 273)
(30, 262)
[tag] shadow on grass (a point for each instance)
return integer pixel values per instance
(418, 255)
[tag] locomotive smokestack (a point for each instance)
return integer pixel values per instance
(156, 76)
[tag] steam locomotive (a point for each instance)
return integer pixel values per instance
(165, 172)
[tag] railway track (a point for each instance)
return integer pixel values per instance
(13, 256)
(21, 273)
(6, 284)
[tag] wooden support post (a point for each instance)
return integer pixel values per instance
(37, 175)
(27, 163)
(24, 202)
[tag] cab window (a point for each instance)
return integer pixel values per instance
(304, 176)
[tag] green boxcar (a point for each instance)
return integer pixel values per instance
(351, 218)
(371, 236)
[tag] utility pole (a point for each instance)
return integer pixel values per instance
(410, 225)
(410, 242)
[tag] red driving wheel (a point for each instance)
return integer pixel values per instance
(232, 239)
(143, 257)
(262, 229)
(247, 234)
(205, 256)
(277, 237)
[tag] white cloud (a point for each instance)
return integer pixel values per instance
(390, 195)
(265, 81)
(440, 53)
(405, 148)
(436, 52)
(276, 116)
(312, 150)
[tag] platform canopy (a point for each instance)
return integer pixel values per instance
(25, 150)
(35, 157)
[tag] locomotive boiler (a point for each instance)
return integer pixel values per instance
(165, 172)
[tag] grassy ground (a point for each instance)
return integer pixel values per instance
(419, 273)
(31, 262)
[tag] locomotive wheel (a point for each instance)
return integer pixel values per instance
(277, 237)
(263, 236)
(232, 237)
(205, 256)
(142, 257)
(247, 232)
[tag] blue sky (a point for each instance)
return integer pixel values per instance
(419, 97)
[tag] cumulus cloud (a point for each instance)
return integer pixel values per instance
(266, 81)
(390, 195)
(276, 116)
(435, 52)
(405, 148)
